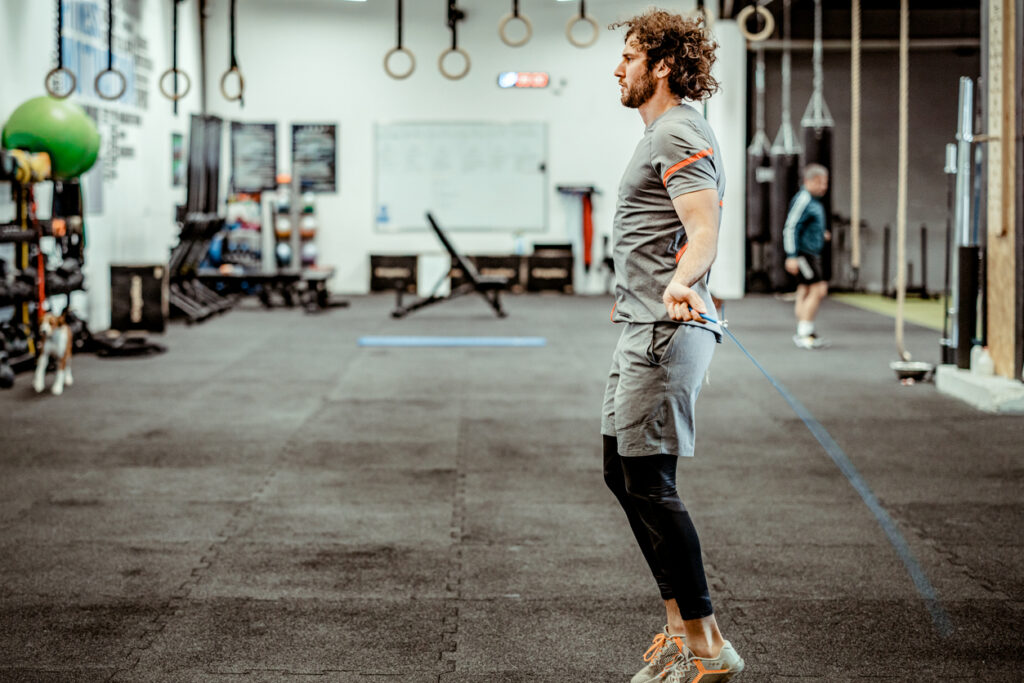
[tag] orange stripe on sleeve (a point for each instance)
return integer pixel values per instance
(686, 162)
(679, 254)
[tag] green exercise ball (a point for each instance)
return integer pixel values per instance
(60, 128)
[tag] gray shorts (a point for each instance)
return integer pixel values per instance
(657, 372)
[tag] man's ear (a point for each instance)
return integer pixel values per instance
(663, 68)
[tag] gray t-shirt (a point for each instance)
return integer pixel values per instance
(678, 154)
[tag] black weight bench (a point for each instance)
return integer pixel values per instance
(487, 286)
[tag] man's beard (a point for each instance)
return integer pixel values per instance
(641, 91)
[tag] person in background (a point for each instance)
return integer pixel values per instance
(803, 238)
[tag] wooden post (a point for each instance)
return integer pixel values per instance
(1002, 200)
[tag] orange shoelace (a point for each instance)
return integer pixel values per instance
(681, 653)
(656, 646)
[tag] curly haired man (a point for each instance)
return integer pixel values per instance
(665, 240)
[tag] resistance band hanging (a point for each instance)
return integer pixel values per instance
(174, 71)
(110, 60)
(455, 15)
(765, 20)
(234, 64)
(582, 17)
(586, 193)
(398, 49)
(59, 69)
(507, 19)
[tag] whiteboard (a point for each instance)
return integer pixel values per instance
(470, 176)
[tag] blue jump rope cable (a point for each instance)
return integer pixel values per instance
(924, 587)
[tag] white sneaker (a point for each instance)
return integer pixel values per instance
(663, 651)
(809, 341)
(690, 669)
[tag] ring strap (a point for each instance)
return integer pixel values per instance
(59, 69)
(60, 34)
(453, 24)
(515, 8)
(399, 22)
(234, 56)
(174, 52)
(110, 35)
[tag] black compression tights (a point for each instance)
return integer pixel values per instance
(646, 489)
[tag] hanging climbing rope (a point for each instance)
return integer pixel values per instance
(59, 69)
(455, 15)
(110, 60)
(234, 63)
(509, 18)
(174, 95)
(582, 18)
(855, 105)
(901, 187)
(399, 49)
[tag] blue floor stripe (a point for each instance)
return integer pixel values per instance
(487, 342)
(924, 587)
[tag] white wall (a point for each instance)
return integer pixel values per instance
(136, 221)
(320, 61)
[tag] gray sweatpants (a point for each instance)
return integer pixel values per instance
(657, 371)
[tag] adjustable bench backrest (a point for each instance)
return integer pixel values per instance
(465, 264)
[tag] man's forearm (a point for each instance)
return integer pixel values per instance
(700, 253)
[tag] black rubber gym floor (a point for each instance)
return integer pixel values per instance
(267, 501)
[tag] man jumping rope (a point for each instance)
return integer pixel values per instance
(665, 239)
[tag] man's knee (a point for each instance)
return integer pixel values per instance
(651, 479)
(614, 478)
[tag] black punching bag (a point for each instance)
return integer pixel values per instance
(818, 150)
(785, 184)
(759, 187)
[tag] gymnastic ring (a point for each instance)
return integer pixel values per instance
(763, 34)
(505, 20)
(175, 96)
(241, 84)
(572, 24)
(709, 18)
(124, 84)
(54, 72)
(440, 63)
(387, 60)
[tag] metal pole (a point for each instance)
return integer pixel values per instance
(885, 260)
(924, 261)
(948, 341)
(964, 137)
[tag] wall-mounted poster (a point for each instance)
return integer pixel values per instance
(177, 159)
(253, 156)
(314, 150)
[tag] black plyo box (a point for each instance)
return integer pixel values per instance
(508, 266)
(549, 274)
(389, 273)
(139, 297)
